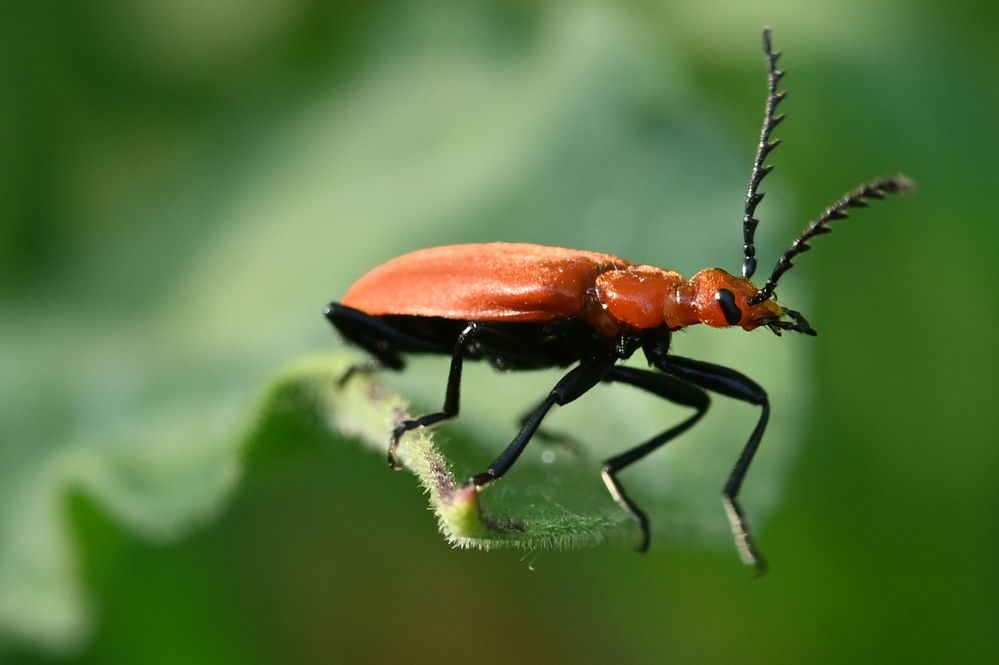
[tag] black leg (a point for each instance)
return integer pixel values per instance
(668, 387)
(363, 367)
(579, 380)
(452, 393)
(377, 337)
(483, 340)
(730, 383)
(554, 439)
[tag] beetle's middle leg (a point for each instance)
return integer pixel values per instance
(670, 388)
(554, 439)
(578, 381)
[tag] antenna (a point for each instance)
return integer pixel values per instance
(877, 189)
(765, 147)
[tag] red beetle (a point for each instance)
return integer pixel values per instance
(520, 306)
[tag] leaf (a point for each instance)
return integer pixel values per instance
(364, 409)
(553, 497)
(200, 245)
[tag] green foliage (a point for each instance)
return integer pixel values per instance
(183, 186)
(130, 373)
(363, 409)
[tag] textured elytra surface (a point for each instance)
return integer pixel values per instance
(483, 282)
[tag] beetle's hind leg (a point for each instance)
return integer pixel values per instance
(383, 340)
(365, 367)
(670, 388)
(452, 393)
(373, 335)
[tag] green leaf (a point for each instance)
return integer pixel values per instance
(526, 518)
(553, 497)
(199, 245)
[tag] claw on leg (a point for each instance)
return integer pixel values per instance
(743, 540)
(394, 446)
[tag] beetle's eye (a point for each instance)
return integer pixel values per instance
(726, 300)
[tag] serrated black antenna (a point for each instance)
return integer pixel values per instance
(765, 147)
(876, 189)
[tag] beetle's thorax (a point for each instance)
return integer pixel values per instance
(644, 297)
(631, 298)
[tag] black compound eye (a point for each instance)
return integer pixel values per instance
(726, 299)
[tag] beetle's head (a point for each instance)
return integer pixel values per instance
(720, 300)
(760, 306)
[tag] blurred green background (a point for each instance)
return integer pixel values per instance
(184, 185)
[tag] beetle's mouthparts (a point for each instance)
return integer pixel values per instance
(798, 323)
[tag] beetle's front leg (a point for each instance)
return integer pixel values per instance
(733, 384)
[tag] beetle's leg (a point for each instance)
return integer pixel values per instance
(554, 439)
(668, 387)
(730, 383)
(452, 393)
(484, 339)
(363, 367)
(579, 380)
(375, 336)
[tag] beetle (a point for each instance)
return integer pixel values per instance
(522, 307)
